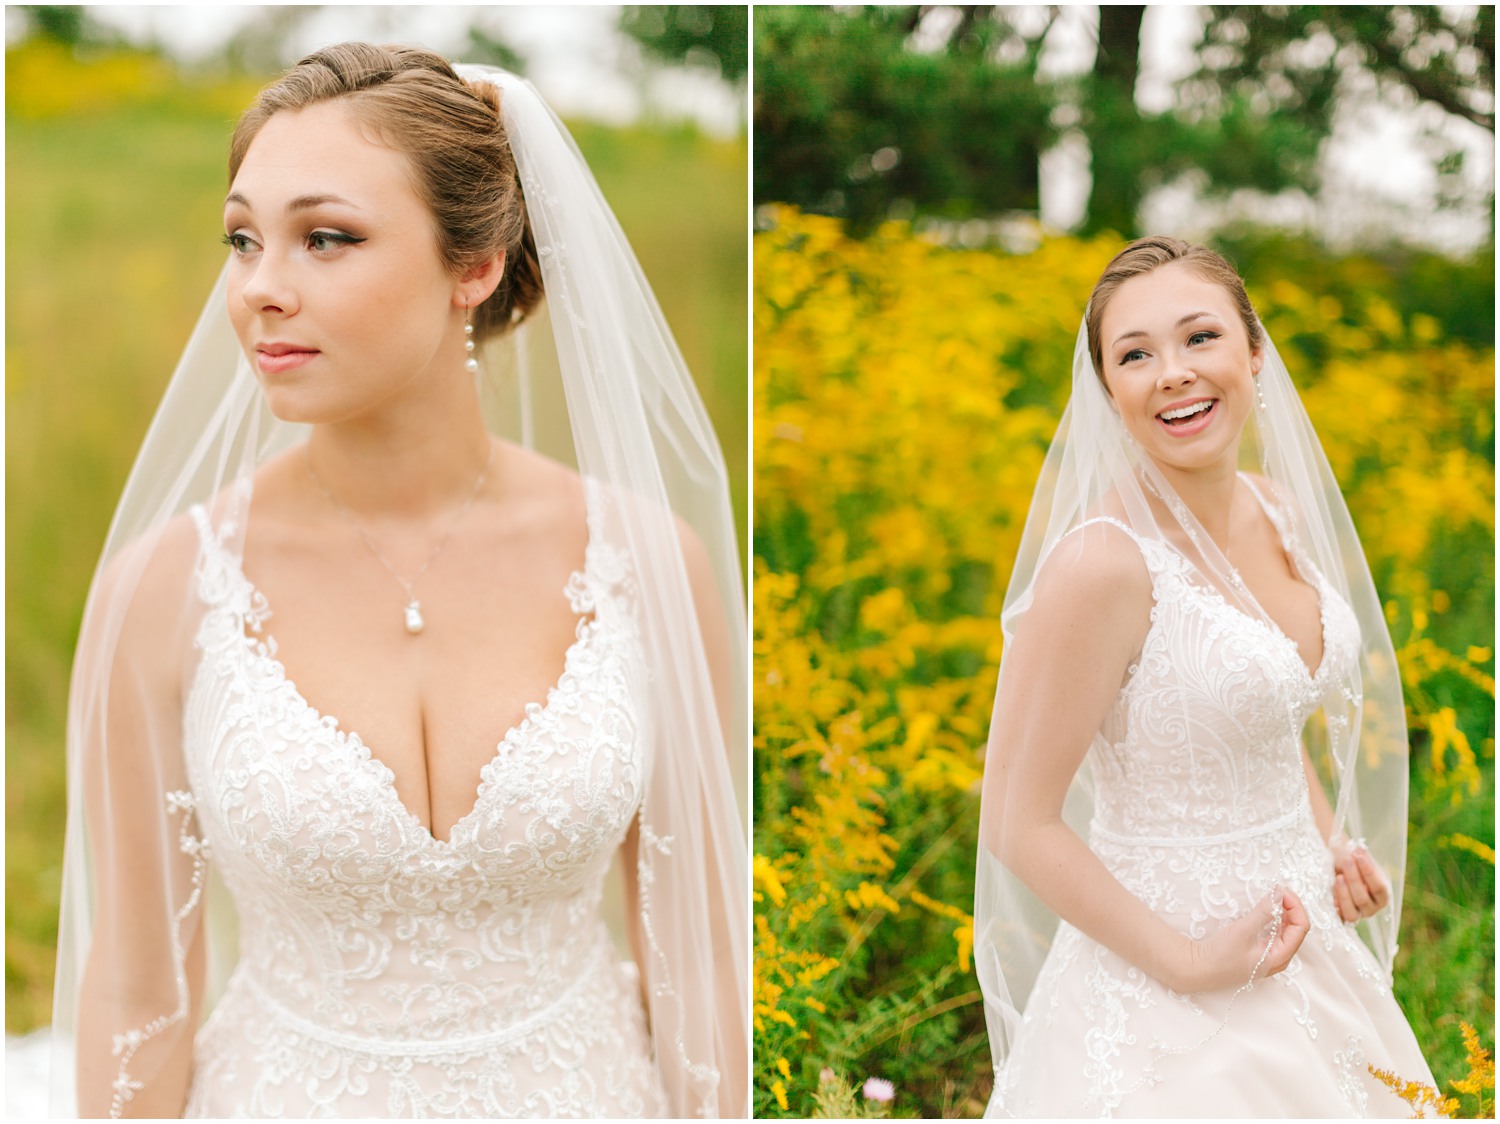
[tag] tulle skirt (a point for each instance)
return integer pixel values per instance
(1100, 1037)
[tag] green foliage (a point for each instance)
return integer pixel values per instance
(68, 24)
(693, 34)
(1292, 58)
(1458, 295)
(850, 121)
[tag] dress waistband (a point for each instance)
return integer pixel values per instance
(1291, 819)
(418, 1047)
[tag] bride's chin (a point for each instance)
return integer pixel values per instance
(294, 409)
(1193, 465)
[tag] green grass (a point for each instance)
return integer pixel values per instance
(1445, 970)
(112, 229)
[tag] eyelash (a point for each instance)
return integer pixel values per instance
(1202, 332)
(241, 243)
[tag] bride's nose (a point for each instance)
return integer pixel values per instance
(267, 288)
(1175, 372)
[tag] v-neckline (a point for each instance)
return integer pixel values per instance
(1315, 584)
(533, 712)
(1311, 675)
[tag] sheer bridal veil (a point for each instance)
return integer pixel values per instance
(624, 409)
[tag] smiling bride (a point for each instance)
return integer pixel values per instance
(369, 700)
(1193, 822)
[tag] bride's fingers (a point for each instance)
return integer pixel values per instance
(1374, 877)
(1288, 934)
(1294, 928)
(1348, 911)
(1294, 916)
(1359, 894)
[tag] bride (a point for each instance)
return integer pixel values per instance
(369, 699)
(1172, 885)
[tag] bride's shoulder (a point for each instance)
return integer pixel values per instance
(1098, 565)
(542, 501)
(142, 591)
(152, 566)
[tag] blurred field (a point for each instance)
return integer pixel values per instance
(115, 181)
(905, 394)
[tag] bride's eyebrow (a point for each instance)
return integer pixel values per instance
(300, 203)
(1191, 316)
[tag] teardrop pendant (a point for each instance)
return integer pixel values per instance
(414, 622)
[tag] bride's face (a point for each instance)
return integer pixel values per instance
(336, 288)
(1178, 363)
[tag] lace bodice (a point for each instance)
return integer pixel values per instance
(1200, 799)
(370, 949)
(1204, 740)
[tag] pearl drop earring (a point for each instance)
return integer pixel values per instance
(470, 364)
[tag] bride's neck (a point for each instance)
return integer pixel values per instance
(405, 463)
(1209, 495)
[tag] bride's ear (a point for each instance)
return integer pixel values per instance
(479, 281)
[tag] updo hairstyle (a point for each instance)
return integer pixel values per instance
(454, 136)
(1141, 257)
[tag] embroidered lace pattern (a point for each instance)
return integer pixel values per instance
(384, 972)
(1200, 807)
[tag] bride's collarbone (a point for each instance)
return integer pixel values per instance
(432, 707)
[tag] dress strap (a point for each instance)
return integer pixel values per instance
(1281, 519)
(200, 520)
(220, 581)
(1112, 521)
(1274, 511)
(1157, 560)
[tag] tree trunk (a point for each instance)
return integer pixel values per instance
(1112, 122)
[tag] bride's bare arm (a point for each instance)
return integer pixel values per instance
(730, 987)
(1360, 889)
(138, 998)
(1063, 670)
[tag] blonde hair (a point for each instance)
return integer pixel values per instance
(454, 136)
(1141, 257)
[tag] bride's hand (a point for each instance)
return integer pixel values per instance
(1360, 888)
(1228, 957)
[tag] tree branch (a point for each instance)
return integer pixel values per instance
(1421, 83)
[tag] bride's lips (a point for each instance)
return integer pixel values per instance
(278, 358)
(1194, 424)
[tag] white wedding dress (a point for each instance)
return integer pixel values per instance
(1201, 836)
(383, 972)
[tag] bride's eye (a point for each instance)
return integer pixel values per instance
(240, 243)
(1202, 337)
(1133, 354)
(322, 241)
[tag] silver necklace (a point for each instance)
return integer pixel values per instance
(413, 613)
